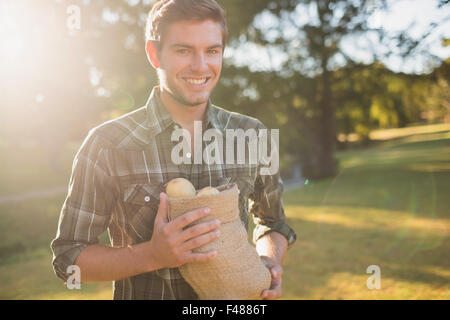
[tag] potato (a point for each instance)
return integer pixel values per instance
(207, 191)
(180, 188)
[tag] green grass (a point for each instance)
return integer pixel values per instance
(388, 206)
(28, 167)
(26, 229)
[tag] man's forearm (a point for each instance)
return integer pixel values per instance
(100, 263)
(273, 245)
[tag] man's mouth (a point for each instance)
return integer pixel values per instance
(197, 82)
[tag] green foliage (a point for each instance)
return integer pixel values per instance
(312, 99)
(371, 97)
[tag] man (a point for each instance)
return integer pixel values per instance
(120, 171)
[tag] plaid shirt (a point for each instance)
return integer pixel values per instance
(118, 174)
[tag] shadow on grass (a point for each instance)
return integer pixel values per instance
(426, 144)
(325, 250)
(420, 193)
(403, 140)
(424, 140)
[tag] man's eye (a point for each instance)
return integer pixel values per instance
(183, 51)
(214, 51)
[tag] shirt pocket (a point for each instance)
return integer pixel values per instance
(141, 202)
(245, 178)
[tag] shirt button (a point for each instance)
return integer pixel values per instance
(147, 199)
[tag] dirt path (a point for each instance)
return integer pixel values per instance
(35, 194)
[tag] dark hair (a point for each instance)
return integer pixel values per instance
(166, 12)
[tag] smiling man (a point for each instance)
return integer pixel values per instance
(119, 173)
(188, 69)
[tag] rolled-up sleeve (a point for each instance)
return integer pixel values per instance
(268, 210)
(86, 211)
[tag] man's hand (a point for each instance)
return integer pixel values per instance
(276, 271)
(171, 244)
(271, 248)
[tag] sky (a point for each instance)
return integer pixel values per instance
(415, 16)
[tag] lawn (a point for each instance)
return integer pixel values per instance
(388, 207)
(28, 167)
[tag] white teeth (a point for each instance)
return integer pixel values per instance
(195, 81)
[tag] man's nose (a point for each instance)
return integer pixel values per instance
(199, 63)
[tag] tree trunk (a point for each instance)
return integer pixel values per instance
(327, 125)
(401, 116)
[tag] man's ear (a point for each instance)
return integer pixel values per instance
(152, 54)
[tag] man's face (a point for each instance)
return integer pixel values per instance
(190, 60)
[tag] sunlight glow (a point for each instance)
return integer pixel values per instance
(13, 40)
(12, 47)
(19, 34)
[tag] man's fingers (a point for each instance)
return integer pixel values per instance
(274, 292)
(187, 218)
(162, 214)
(271, 294)
(201, 257)
(198, 230)
(276, 271)
(200, 240)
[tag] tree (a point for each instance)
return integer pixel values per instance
(68, 84)
(311, 35)
(317, 29)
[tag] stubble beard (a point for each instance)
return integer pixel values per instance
(177, 95)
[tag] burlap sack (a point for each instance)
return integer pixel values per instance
(236, 272)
